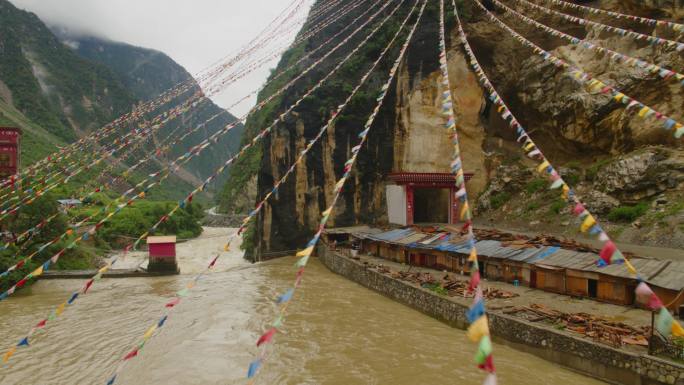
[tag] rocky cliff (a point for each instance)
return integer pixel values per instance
(582, 132)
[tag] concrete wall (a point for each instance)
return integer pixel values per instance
(596, 360)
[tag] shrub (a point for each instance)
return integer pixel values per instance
(532, 206)
(627, 213)
(557, 206)
(535, 185)
(500, 199)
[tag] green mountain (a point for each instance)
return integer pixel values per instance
(148, 73)
(47, 89)
(58, 87)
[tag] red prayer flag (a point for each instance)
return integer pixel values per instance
(607, 252)
(474, 280)
(41, 323)
(87, 286)
(267, 337)
(488, 364)
(173, 302)
(131, 354)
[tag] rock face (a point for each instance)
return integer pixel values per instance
(643, 174)
(570, 124)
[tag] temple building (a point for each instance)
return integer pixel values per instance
(10, 138)
(422, 197)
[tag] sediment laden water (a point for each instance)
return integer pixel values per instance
(337, 332)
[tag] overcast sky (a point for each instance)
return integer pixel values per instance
(194, 33)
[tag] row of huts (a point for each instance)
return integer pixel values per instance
(548, 268)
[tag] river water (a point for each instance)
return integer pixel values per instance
(336, 332)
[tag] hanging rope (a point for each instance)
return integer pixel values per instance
(610, 253)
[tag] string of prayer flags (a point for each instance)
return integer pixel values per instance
(586, 79)
(644, 20)
(478, 331)
(304, 256)
(610, 253)
(653, 40)
(306, 252)
(647, 67)
(258, 107)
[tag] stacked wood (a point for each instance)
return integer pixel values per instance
(453, 287)
(596, 327)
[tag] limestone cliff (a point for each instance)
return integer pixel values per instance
(582, 131)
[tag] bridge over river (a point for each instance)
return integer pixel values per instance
(337, 332)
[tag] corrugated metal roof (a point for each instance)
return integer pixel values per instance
(391, 235)
(672, 277)
(665, 274)
(569, 259)
(411, 238)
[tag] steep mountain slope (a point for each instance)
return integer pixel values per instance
(57, 88)
(147, 73)
(47, 84)
(582, 132)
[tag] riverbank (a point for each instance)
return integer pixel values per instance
(617, 366)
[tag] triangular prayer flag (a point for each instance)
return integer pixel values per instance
(266, 337)
(588, 222)
(677, 329)
(478, 329)
(8, 354)
(306, 252)
(484, 350)
(253, 368)
(476, 311)
(285, 297)
(664, 322)
(24, 342)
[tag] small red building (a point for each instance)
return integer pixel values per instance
(423, 197)
(10, 138)
(162, 253)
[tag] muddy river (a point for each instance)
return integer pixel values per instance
(337, 332)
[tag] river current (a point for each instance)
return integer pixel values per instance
(336, 332)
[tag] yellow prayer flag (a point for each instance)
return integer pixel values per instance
(103, 269)
(464, 209)
(327, 212)
(566, 191)
(677, 329)
(630, 267)
(473, 255)
(149, 332)
(543, 166)
(588, 223)
(643, 111)
(529, 146)
(60, 309)
(478, 329)
(226, 247)
(9, 354)
(38, 272)
(306, 252)
(619, 96)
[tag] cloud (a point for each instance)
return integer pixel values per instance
(194, 33)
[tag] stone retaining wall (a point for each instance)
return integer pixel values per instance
(596, 360)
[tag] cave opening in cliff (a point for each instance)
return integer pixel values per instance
(431, 205)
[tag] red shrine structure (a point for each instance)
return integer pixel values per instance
(162, 254)
(423, 197)
(10, 138)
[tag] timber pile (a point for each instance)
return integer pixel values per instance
(522, 242)
(453, 287)
(598, 328)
